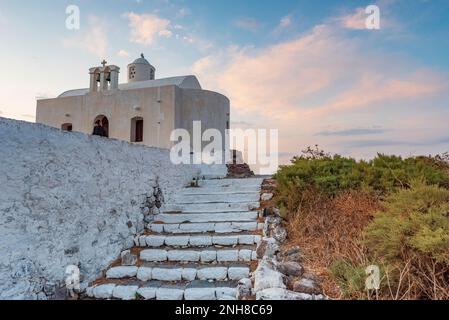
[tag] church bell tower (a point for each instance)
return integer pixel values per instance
(104, 78)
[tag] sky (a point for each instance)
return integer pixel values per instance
(310, 69)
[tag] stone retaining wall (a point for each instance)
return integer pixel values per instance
(72, 199)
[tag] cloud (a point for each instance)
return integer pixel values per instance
(123, 53)
(146, 28)
(353, 132)
(94, 40)
(249, 24)
(328, 78)
(355, 20)
(183, 12)
(285, 22)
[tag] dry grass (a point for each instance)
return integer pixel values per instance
(330, 229)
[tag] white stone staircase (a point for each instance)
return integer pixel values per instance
(199, 248)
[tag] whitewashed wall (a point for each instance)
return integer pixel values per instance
(69, 198)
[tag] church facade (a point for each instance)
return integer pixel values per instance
(145, 110)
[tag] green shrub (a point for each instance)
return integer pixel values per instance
(331, 175)
(350, 277)
(415, 223)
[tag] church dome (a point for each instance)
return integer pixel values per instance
(141, 70)
(141, 60)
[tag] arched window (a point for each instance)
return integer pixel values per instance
(137, 129)
(67, 127)
(104, 123)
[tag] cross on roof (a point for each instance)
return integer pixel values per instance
(104, 62)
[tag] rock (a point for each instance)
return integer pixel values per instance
(214, 273)
(208, 256)
(246, 239)
(128, 259)
(238, 273)
(268, 247)
(183, 255)
(200, 241)
(155, 241)
(227, 255)
(179, 241)
(125, 292)
(147, 293)
(279, 233)
(167, 274)
(225, 240)
(307, 286)
(244, 288)
(245, 255)
(199, 294)
(226, 293)
(189, 274)
(145, 274)
(291, 268)
(281, 294)
(89, 292)
(266, 276)
(171, 294)
(121, 272)
(153, 255)
(103, 291)
(266, 196)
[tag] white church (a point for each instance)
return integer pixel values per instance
(145, 110)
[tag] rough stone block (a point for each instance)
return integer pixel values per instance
(226, 293)
(200, 241)
(167, 274)
(227, 255)
(153, 255)
(246, 239)
(225, 240)
(155, 227)
(183, 255)
(245, 255)
(155, 241)
(178, 241)
(144, 274)
(125, 292)
(169, 294)
(200, 294)
(189, 274)
(121, 272)
(147, 293)
(213, 273)
(208, 256)
(104, 291)
(238, 273)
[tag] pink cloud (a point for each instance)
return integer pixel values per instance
(319, 79)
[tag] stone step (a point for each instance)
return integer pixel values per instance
(200, 228)
(220, 190)
(207, 217)
(248, 182)
(180, 273)
(205, 255)
(196, 290)
(218, 197)
(212, 207)
(157, 241)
